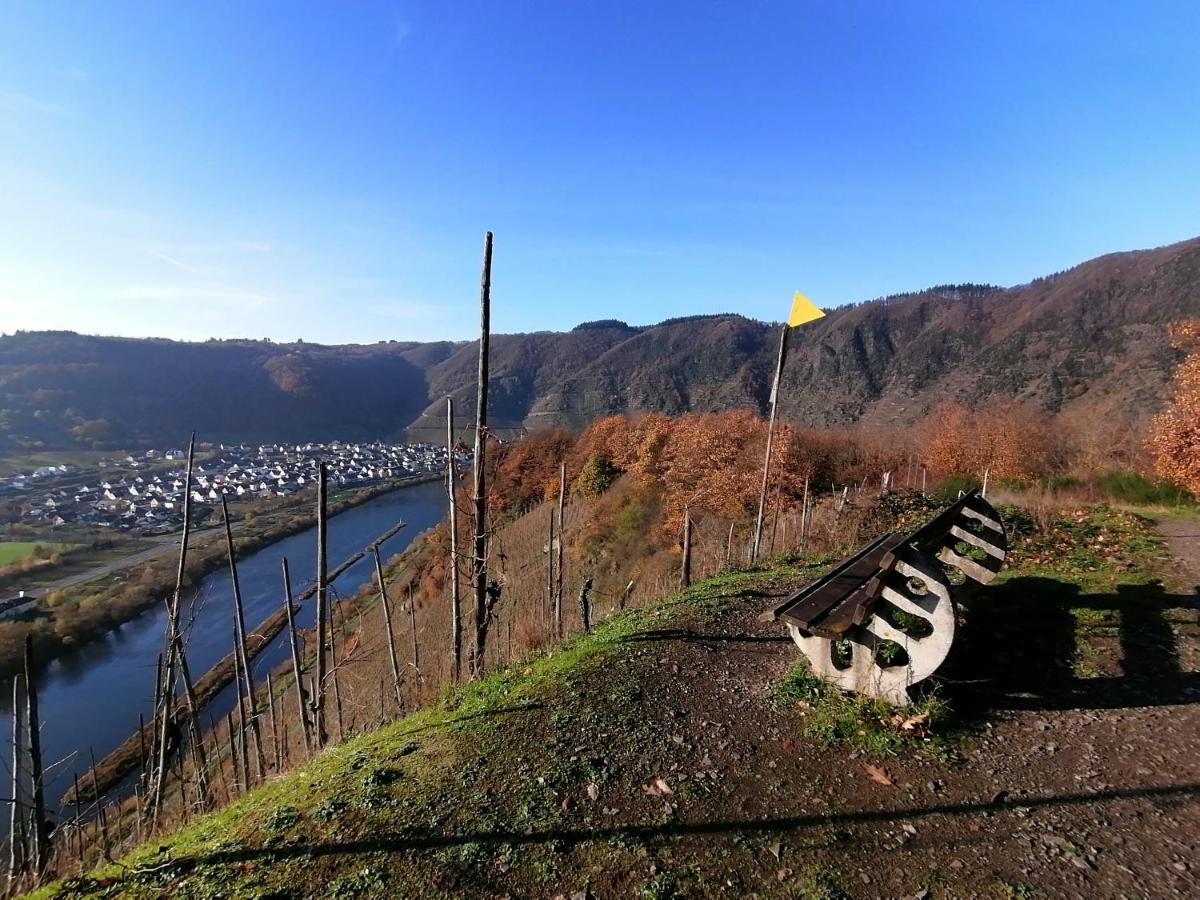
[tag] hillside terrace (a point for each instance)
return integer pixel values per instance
(152, 502)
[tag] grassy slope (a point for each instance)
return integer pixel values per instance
(420, 777)
(449, 800)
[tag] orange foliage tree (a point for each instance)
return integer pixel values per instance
(1009, 441)
(1175, 435)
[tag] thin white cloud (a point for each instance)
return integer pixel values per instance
(253, 246)
(405, 309)
(400, 31)
(19, 102)
(177, 263)
(175, 293)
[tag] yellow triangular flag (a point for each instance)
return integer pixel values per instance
(803, 310)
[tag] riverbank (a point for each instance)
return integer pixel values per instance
(86, 612)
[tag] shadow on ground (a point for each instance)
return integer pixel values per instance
(418, 840)
(1019, 645)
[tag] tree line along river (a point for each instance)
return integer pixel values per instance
(90, 699)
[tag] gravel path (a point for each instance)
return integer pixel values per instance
(1183, 537)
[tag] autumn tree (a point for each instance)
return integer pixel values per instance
(1175, 434)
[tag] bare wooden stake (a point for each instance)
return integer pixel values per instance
(212, 729)
(233, 754)
(551, 597)
(558, 553)
(455, 601)
(100, 806)
(274, 724)
(249, 703)
(322, 608)
(337, 702)
(79, 822)
(412, 623)
(165, 713)
(804, 518)
(17, 851)
(41, 831)
(685, 564)
(295, 647)
(479, 568)
(387, 624)
(762, 495)
(729, 544)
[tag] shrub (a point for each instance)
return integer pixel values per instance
(1134, 487)
(597, 476)
(950, 486)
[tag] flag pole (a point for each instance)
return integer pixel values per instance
(762, 496)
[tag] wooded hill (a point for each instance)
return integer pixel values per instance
(1092, 338)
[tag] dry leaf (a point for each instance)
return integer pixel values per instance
(878, 774)
(658, 788)
(593, 792)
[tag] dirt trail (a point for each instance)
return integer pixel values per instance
(1076, 793)
(1183, 537)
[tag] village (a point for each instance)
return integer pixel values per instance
(144, 494)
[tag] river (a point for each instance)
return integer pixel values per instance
(91, 699)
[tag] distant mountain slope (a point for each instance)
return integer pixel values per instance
(1093, 336)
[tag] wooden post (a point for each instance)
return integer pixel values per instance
(551, 598)
(685, 564)
(804, 518)
(166, 710)
(17, 851)
(41, 834)
(249, 704)
(337, 703)
(100, 807)
(194, 736)
(585, 605)
(455, 602)
(274, 724)
(295, 647)
(391, 632)
(79, 821)
(479, 567)
(983, 492)
(322, 612)
(412, 622)
(239, 762)
(558, 558)
(762, 494)
(729, 545)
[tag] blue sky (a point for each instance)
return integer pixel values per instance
(326, 171)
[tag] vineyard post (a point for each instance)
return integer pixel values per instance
(479, 568)
(322, 572)
(558, 559)
(41, 835)
(17, 851)
(295, 647)
(455, 601)
(249, 704)
(165, 691)
(387, 624)
(762, 494)
(685, 565)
